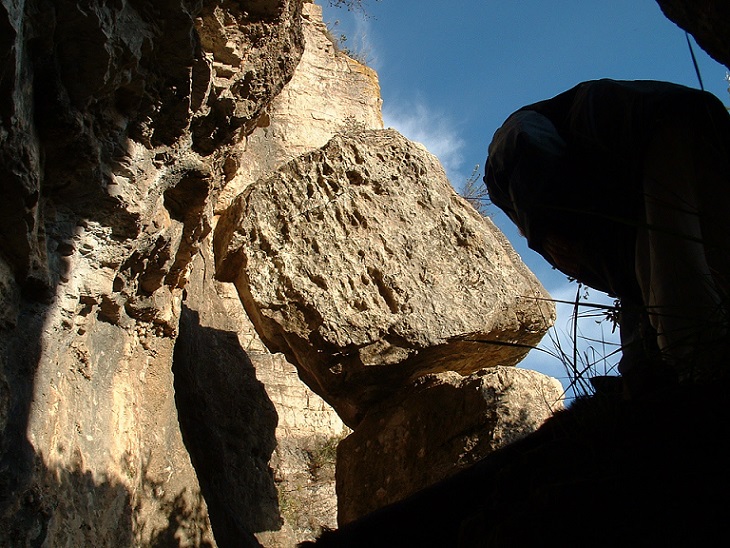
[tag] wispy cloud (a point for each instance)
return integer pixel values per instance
(433, 129)
(362, 44)
(411, 115)
(352, 29)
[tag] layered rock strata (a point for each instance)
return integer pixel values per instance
(259, 438)
(116, 121)
(328, 93)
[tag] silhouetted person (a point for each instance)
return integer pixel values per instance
(625, 186)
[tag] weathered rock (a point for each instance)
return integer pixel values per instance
(227, 418)
(9, 296)
(362, 265)
(122, 126)
(115, 119)
(278, 472)
(252, 48)
(444, 424)
(329, 92)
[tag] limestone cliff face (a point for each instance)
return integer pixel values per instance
(283, 436)
(115, 123)
(329, 92)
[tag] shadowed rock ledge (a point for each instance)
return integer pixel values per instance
(606, 472)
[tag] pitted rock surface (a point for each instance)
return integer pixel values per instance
(327, 93)
(116, 119)
(363, 266)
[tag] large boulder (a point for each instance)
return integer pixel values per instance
(361, 264)
(443, 424)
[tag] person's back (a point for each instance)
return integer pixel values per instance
(624, 186)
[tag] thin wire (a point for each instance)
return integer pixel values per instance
(694, 60)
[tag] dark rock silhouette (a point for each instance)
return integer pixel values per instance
(707, 21)
(606, 472)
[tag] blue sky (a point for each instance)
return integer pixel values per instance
(451, 72)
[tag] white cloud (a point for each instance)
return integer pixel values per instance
(433, 129)
(412, 117)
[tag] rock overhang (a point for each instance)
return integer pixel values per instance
(361, 264)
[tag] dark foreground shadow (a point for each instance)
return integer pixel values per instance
(70, 507)
(607, 472)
